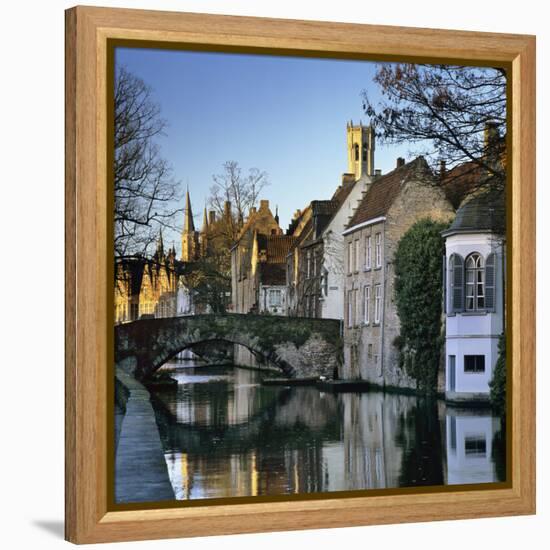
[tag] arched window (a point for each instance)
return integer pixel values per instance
(365, 152)
(475, 283)
(356, 151)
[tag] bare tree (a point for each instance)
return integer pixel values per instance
(242, 191)
(333, 252)
(445, 111)
(144, 187)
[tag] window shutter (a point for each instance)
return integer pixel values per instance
(490, 282)
(457, 290)
(444, 283)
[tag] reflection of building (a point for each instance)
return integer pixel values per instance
(367, 445)
(469, 445)
(392, 204)
(475, 259)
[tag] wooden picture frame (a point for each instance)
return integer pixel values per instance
(89, 518)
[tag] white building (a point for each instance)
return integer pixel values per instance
(333, 274)
(475, 280)
(184, 300)
(469, 446)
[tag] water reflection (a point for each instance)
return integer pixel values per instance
(225, 435)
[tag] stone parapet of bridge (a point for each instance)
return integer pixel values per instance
(301, 347)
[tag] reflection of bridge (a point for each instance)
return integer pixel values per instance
(275, 423)
(299, 346)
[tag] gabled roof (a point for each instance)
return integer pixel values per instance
(384, 190)
(342, 192)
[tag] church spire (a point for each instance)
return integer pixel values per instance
(160, 245)
(189, 237)
(188, 223)
(204, 227)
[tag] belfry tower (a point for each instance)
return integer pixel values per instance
(360, 149)
(189, 237)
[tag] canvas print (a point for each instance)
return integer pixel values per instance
(309, 291)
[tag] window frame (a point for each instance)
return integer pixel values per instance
(366, 304)
(349, 309)
(475, 284)
(475, 370)
(377, 304)
(368, 252)
(378, 249)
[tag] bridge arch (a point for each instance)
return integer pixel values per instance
(300, 347)
(170, 352)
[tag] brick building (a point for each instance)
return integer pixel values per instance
(392, 204)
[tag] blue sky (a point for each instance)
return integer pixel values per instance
(283, 115)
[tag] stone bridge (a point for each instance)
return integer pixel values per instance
(300, 347)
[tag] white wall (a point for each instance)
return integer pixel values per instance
(468, 334)
(32, 218)
(480, 466)
(332, 306)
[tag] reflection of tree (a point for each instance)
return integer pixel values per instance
(498, 451)
(419, 434)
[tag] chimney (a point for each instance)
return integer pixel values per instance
(347, 178)
(442, 169)
(377, 173)
(252, 211)
(491, 142)
(400, 162)
(211, 217)
(264, 204)
(227, 209)
(491, 133)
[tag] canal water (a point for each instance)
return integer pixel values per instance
(226, 435)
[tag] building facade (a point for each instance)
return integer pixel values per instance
(147, 287)
(315, 270)
(159, 286)
(258, 264)
(475, 295)
(392, 204)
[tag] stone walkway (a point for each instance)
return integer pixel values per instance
(140, 469)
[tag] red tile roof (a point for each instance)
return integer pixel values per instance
(278, 246)
(461, 180)
(384, 190)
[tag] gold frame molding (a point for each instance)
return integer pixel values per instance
(90, 33)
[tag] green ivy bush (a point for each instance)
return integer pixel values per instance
(498, 383)
(419, 288)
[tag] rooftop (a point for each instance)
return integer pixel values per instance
(384, 190)
(483, 212)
